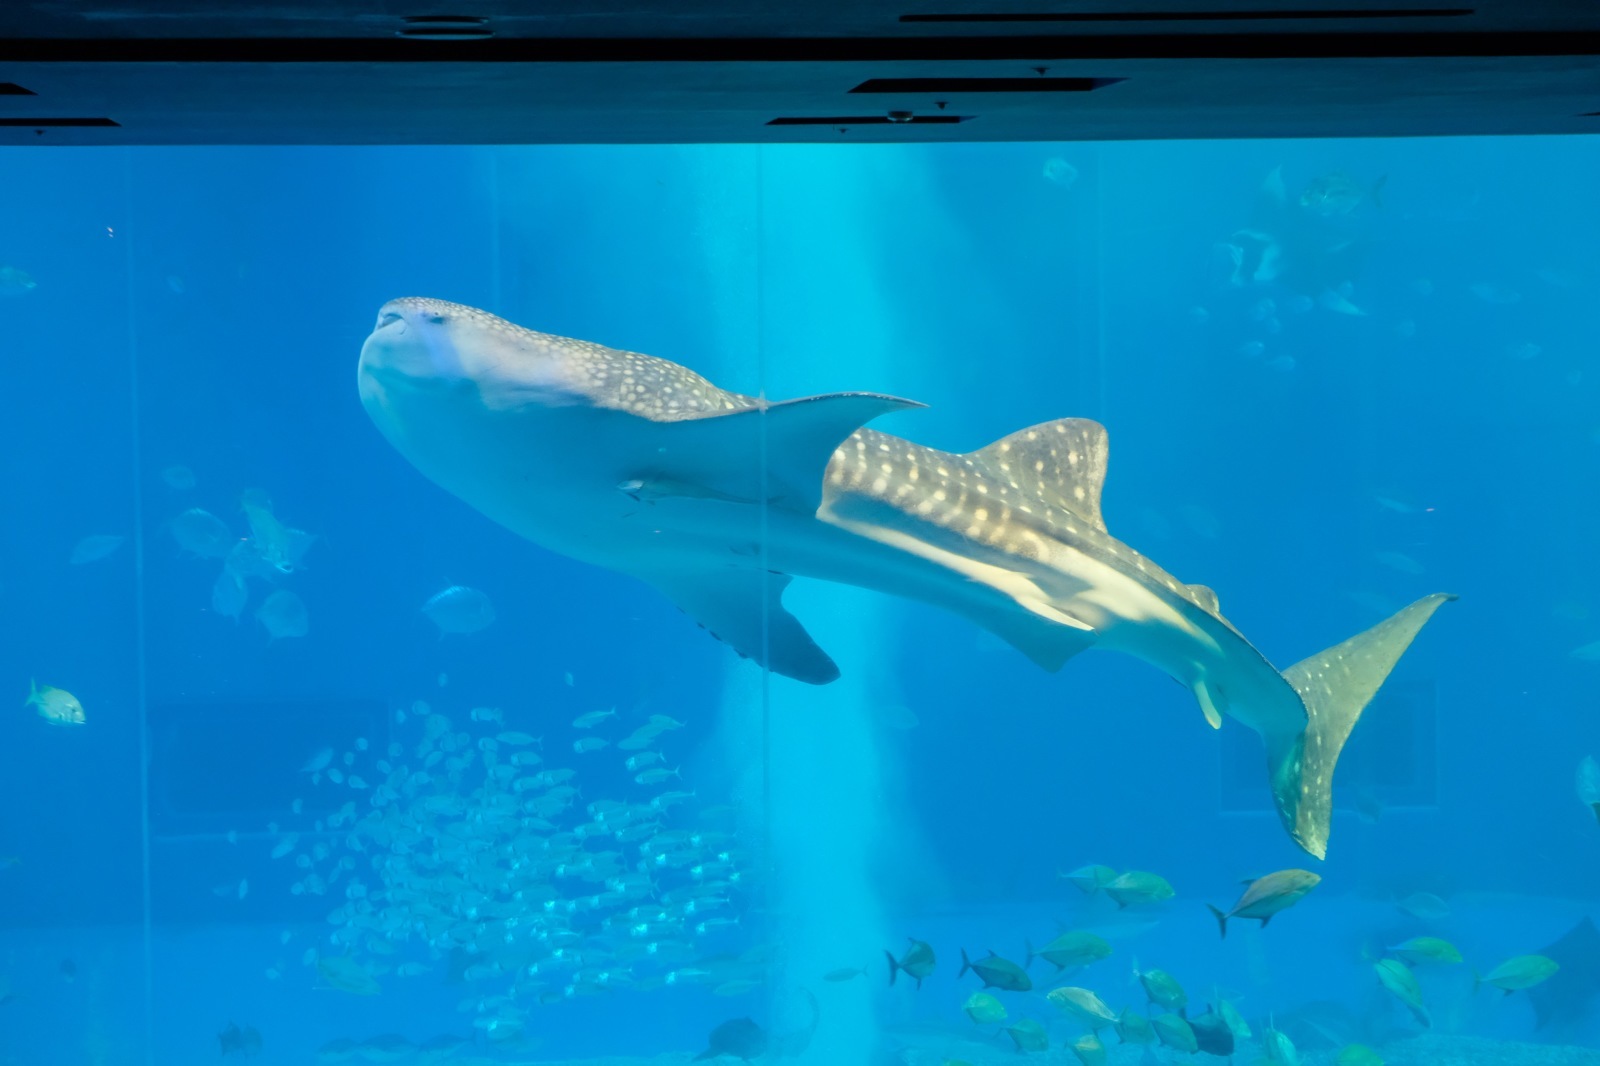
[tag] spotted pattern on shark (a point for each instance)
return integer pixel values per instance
(640, 465)
(1020, 495)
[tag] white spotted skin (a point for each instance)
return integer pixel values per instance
(499, 415)
(548, 435)
(948, 511)
(509, 420)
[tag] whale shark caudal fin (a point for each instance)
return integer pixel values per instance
(1335, 686)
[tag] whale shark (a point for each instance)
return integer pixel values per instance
(719, 500)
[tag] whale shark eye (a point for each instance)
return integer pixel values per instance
(438, 319)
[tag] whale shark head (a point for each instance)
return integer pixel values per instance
(433, 347)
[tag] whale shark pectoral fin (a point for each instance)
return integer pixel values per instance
(744, 609)
(1062, 463)
(778, 452)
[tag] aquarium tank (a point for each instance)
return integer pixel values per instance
(652, 604)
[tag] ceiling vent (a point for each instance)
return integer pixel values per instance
(895, 118)
(445, 28)
(1273, 15)
(984, 85)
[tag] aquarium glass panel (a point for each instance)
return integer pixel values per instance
(830, 604)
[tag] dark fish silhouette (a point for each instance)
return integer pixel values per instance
(239, 1041)
(917, 963)
(1568, 997)
(1212, 1034)
(1290, 242)
(741, 1038)
(996, 972)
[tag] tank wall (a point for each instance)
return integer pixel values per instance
(1404, 407)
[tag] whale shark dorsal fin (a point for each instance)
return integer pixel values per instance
(1206, 597)
(1061, 463)
(744, 609)
(780, 449)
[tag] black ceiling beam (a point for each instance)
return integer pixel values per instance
(1192, 46)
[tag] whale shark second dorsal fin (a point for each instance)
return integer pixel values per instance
(1061, 463)
(1206, 597)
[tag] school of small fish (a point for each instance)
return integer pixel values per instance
(463, 853)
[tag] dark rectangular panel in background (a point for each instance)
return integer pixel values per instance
(216, 767)
(1390, 760)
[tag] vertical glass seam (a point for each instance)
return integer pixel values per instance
(496, 288)
(766, 548)
(141, 689)
(1100, 186)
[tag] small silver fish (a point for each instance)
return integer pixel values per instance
(459, 610)
(178, 478)
(94, 548)
(202, 533)
(1058, 171)
(229, 594)
(14, 281)
(646, 759)
(284, 615)
(590, 719)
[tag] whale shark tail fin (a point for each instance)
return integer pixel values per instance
(1335, 685)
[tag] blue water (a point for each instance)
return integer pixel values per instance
(1320, 460)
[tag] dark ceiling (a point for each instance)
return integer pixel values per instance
(219, 71)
